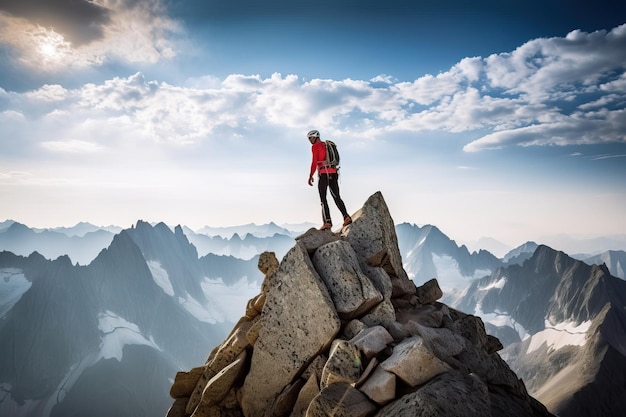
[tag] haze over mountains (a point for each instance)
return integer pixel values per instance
(67, 330)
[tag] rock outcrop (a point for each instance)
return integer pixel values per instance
(339, 330)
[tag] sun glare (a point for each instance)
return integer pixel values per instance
(48, 49)
(50, 45)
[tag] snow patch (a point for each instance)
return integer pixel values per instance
(13, 284)
(226, 303)
(207, 314)
(449, 274)
(230, 300)
(560, 335)
(499, 284)
(160, 277)
(117, 333)
(501, 319)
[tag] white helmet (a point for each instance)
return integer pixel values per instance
(313, 134)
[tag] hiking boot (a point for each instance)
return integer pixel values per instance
(326, 225)
(346, 221)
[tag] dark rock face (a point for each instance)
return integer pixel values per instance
(390, 349)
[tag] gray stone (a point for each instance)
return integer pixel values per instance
(398, 331)
(383, 314)
(340, 400)
(372, 340)
(343, 364)
(373, 231)
(429, 292)
(428, 315)
(313, 239)
(452, 394)
(351, 290)
(443, 342)
(221, 357)
(353, 328)
(306, 395)
(414, 363)
(218, 387)
(185, 382)
(300, 321)
(380, 387)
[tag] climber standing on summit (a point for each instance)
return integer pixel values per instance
(328, 177)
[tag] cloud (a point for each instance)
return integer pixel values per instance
(80, 22)
(64, 35)
(537, 95)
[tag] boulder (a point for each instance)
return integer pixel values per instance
(340, 400)
(380, 387)
(343, 364)
(373, 234)
(372, 341)
(413, 362)
(300, 321)
(452, 394)
(352, 292)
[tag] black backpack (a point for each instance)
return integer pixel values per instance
(332, 154)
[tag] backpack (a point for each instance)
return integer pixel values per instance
(332, 154)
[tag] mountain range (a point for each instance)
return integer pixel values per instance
(114, 320)
(564, 324)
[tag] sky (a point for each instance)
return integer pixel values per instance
(483, 118)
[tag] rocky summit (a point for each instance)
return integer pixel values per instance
(339, 329)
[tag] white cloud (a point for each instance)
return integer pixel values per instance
(537, 95)
(71, 146)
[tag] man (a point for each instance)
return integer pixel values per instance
(328, 178)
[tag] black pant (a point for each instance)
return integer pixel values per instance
(330, 181)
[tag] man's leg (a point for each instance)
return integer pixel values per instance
(333, 184)
(322, 186)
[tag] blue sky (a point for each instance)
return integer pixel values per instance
(484, 118)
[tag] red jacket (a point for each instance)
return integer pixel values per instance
(319, 157)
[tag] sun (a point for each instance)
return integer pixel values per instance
(50, 45)
(48, 50)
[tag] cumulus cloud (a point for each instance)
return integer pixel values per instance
(54, 35)
(537, 95)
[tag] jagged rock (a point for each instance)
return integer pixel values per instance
(372, 341)
(306, 395)
(287, 399)
(443, 342)
(178, 408)
(429, 292)
(428, 315)
(452, 394)
(343, 365)
(413, 362)
(300, 321)
(401, 287)
(185, 382)
(218, 387)
(313, 239)
(299, 359)
(383, 314)
(372, 232)
(398, 331)
(268, 264)
(352, 292)
(353, 328)
(367, 372)
(315, 367)
(380, 387)
(340, 400)
(227, 352)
